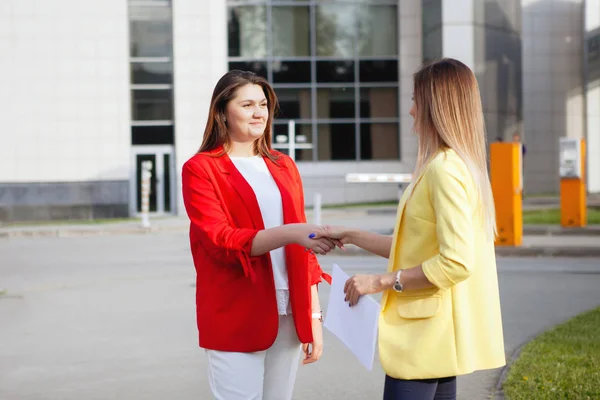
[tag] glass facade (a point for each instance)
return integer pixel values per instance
(151, 66)
(334, 67)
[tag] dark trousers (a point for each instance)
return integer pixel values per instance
(421, 389)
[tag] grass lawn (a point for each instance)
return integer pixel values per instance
(552, 216)
(563, 363)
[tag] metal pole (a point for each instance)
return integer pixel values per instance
(317, 208)
(146, 175)
(292, 139)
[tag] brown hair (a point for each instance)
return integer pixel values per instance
(215, 133)
(449, 115)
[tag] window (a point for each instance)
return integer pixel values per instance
(336, 142)
(150, 31)
(151, 105)
(377, 31)
(379, 102)
(151, 73)
(290, 36)
(294, 103)
(336, 103)
(247, 31)
(379, 141)
(334, 67)
(143, 135)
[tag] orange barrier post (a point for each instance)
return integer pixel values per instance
(506, 170)
(573, 202)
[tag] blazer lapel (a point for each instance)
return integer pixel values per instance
(399, 213)
(287, 189)
(243, 189)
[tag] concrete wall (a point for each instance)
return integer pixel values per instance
(64, 77)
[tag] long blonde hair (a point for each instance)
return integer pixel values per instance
(449, 115)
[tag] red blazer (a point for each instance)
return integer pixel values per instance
(235, 292)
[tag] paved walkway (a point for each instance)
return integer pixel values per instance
(539, 240)
(112, 317)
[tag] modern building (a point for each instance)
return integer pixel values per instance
(90, 90)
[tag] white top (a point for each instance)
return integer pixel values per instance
(255, 172)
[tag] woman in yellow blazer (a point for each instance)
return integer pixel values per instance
(440, 308)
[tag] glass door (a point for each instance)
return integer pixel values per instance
(159, 161)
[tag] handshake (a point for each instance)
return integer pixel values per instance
(322, 239)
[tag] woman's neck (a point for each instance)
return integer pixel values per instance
(241, 149)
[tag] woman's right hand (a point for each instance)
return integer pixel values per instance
(318, 244)
(340, 233)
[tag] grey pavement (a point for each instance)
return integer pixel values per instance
(112, 317)
(538, 240)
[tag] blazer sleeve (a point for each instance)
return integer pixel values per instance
(449, 184)
(222, 241)
(315, 271)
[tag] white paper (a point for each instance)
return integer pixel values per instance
(355, 326)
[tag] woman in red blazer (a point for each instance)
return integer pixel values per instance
(257, 273)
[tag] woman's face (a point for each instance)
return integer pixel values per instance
(413, 113)
(247, 114)
(413, 109)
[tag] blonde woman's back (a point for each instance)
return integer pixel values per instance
(455, 327)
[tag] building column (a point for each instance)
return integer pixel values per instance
(199, 60)
(592, 56)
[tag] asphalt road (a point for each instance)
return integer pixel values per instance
(113, 318)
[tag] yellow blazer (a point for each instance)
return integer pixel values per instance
(454, 328)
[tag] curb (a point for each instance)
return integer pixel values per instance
(555, 251)
(58, 233)
(501, 251)
(498, 393)
(558, 231)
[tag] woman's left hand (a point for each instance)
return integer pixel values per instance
(359, 285)
(313, 351)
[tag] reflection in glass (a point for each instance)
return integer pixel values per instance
(150, 31)
(258, 67)
(379, 141)
(291, 33)
(379, 71)
(303, 136)
(291, 71)
(151, 72)
(151, 105)
(281, 137)
(335, 103)
(379, 103)
(377, 31)
(336, 28)
(335, 71)
(336, 142)
(294, 103)
(247, 27)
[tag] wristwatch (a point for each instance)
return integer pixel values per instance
(397, 285)
(318, 315)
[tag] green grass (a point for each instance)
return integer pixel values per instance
(552, 216)
(563, 363)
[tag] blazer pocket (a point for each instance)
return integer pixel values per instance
(420, 308)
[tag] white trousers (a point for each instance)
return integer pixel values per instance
(262, 375)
